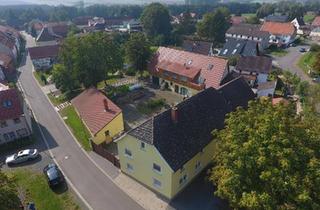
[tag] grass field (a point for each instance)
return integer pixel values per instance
(37, 75)
(77, 127)
(308, 18)
(306, 61)
(35, 189)
(57, 100)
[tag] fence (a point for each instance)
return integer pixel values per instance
(99, 149)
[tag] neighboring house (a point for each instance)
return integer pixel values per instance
(316, 22)
(12, 34)
(186, 73)
(315, 32)
(255, 69)
(81, 21)
(282, 34)
(235, 20)
(8, 45)
(133, 25)
(299, 25)
(249, 32)
(44, 57)
(237, 47)
(97, 22)
(52, 33)
(15, 119)
(277, 18)
(266, 89)
(7, 66)
(168, 151)
(36, 27)
(45, 38)
(200, 47)
(101, 116)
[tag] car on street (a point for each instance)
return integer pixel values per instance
(302, 50)
(22, 156)
(53, 174)
(316, 79)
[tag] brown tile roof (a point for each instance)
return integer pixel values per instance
(237, 20)
(90, 106)
(248, 30)
(278, 28)
(44, 51)
(259, 64)
(316, 21)
(190, 64)
(199, 47)
(10, 30)
(10, 104)
(6, 40)
(6, 60)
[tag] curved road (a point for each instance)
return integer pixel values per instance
(93, 185)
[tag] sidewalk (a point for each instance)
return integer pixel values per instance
(145, 197)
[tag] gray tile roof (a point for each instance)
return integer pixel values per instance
(235, 47)
(198, 116)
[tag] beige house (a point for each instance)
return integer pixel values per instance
(15, 119)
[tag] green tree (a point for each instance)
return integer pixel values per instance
(156, 20)
(8, 194)
(268, 158)
(265, 10)
(187, 25)
(214, 25)
(138, 52)
(316, 64)
(253, 19)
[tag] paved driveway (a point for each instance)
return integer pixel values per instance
(289, 62)
(94, 186)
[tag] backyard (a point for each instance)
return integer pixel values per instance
(77, 127)
(277, 52)
(33, 187)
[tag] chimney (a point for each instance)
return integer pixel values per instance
(174, 114)
(105, 103)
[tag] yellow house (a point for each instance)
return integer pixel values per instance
(101, 116)
(169, 150)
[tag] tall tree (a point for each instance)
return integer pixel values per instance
(8, 194)
(214, 25)
(138, 51)
(155, 19)
(268, 158)
(265, 10)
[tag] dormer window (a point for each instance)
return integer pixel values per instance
(210, 67)
(189, 62)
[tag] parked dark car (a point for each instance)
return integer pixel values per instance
(302, 50)
(53, 174)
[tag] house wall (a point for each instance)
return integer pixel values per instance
(54, 42)
(313, 33)
(262, 78)
(142, 162)
(266, 92)
(14, 130)
(281, 39)
(190, 170)
(171, 86)
(114, 127)
(42, 63)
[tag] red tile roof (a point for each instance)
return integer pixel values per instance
(316, 21)
(10, 30)
(237, 20)
(44, 51)
(90, 106)
(278, 28)
(10, 104)
(190, 65)
(6, 60)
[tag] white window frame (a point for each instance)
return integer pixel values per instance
(155, 170)
(198, 166)
(154, 180)
(184, 179)
(129, 167)
(143, 147)
(126, 154)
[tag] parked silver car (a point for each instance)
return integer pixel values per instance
(22, 156)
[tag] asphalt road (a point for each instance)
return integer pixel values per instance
(289, 62)
(93, 185)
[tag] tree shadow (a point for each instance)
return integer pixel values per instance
(199, 195)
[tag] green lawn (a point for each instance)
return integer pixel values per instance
(306, 61)
(308, 18)
(37, 75)
(278, 52)
(57, 100)
(248, 15)
(36, 189)
(77, 127)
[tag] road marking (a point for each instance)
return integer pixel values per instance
(51, 154)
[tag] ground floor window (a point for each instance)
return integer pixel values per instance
(156, 183)
(184, 91)
(129, 167)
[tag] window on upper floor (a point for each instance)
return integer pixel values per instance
(129, 167)
(3, 124)
(127, 152)
(157, 183)
(198, 165)
(156, 168)
(16, 120)
(183, 179)
(142, 145)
